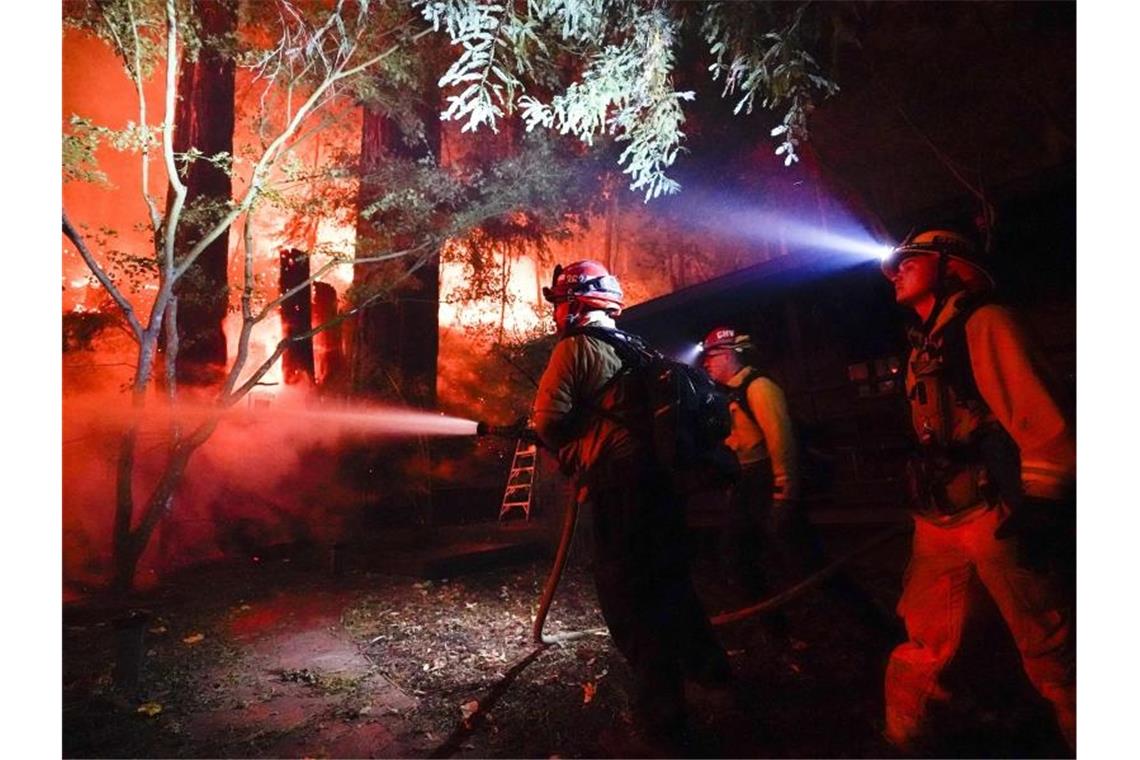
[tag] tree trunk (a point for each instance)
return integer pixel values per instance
(328, 350)
(204, 120)
(395, 347)
(296, 317)
(397, 339)
(130, 542)
(611, 188)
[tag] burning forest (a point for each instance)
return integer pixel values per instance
(325, 493)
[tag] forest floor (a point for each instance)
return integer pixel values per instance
(280, 658)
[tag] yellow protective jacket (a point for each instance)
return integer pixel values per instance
(770, 437)
(1008, 377)
(569, 393)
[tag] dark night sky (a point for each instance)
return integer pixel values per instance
(989, 86)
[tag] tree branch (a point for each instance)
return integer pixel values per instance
(174, 214)
(103, 278)
(171, 364)
(247, 322)
(267, 160)
(326, 267)
(136, 76)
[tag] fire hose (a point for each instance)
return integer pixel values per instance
(810, 582)
(570, 518)
(544, 641)
(521, 429)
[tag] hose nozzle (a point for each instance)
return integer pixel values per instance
(517, 429)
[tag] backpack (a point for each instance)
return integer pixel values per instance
(815, 464)
(688, 417)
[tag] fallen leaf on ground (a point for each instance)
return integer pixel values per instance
(193, 638)
(589, 689)
(150, 709)
(469, 708)
(158, 630)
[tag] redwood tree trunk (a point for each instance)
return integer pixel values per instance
(328, 351)
(296, 317)
(397, 338)
(204, 120)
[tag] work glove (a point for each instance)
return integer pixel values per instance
(1044, 531)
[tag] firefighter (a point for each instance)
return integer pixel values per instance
(593, 415)
(769, 544)
(991, 488)
(762, 500)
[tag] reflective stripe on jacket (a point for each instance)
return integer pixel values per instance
(1009, 381)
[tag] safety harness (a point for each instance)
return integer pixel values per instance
(949, 476)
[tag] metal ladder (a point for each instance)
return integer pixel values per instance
(519, 493)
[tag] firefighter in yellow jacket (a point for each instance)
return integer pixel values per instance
(763, 500)
(991, 487)
(593, 415)
(769, 543)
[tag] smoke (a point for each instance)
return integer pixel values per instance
(271, 473)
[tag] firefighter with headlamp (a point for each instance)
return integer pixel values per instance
(755, 540)
(991, 487)
(591, 411)
(768, 542)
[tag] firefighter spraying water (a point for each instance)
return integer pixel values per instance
(593, 408)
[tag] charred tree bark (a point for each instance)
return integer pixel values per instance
(397, 338)
(296, 317)
(328, 346)
(395, 346)
(204, 122)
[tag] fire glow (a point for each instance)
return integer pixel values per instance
(522, 292)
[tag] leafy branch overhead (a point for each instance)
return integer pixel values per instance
(513, 57)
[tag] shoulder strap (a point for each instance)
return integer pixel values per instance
(631, 350)
(956, 352)
(739, 394)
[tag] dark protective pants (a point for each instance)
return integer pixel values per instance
(745, 541)
(641, 570)
(769, 545)
(935, 604)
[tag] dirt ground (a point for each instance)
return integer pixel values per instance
(279, 657)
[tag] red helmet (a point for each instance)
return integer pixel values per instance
(587, 283)
(960, 251)
(725, 339)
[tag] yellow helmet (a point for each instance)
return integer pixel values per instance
(962, 256)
